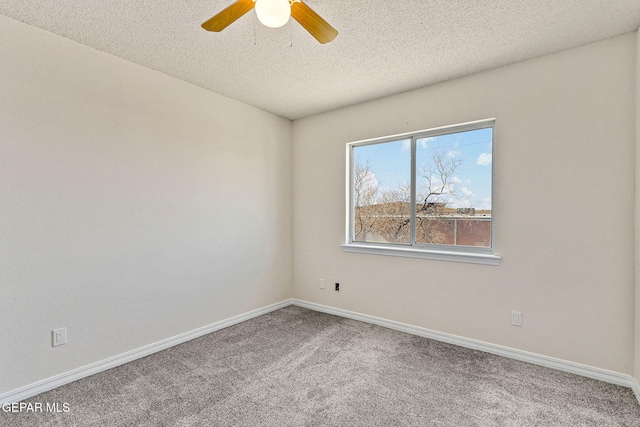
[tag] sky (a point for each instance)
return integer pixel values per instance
(390, 164)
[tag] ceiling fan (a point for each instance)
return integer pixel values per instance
(274, 14)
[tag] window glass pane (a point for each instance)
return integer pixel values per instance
(382, 192)
(453, 189)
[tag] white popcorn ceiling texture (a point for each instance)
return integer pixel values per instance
(383, 47)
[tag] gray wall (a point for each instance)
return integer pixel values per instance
(134, 207)
(637, 216)
(564, 203)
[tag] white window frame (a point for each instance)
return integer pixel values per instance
(467, 254)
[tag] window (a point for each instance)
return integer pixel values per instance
(427, 194)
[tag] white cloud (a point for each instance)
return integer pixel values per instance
(460, 203)
(423, 142)
(369, 181)
(484, 159)
(486, 203)
(454, 154)
(420, 143)
(466, 192)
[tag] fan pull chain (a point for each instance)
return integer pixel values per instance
(254, 31)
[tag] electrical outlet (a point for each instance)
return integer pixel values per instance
(59, 337)
(337, 287)
(321, 283)
(516, 318)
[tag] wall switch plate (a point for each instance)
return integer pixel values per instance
(321, 283)
(516, 318)
(59, 337)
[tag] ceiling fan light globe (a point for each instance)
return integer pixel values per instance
(273, 13)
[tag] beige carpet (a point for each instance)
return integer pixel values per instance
(296, 367)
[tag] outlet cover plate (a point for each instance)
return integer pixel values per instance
(59, 337)
(516, 318)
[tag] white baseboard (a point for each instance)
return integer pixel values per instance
(76, 374)
(94, 368)
(636, 388)
(537, 359)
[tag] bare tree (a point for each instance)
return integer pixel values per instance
(397, 209)
(384, 215)
(440, 186)
(380, 215)
(439, 190)
(365, 189)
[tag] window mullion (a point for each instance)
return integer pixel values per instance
(413, 193)
(350, 190)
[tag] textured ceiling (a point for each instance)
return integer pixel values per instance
(383, 46)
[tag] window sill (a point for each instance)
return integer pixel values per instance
(408, 252)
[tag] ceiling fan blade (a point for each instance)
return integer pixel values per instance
(228, 16)
(313, 23)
